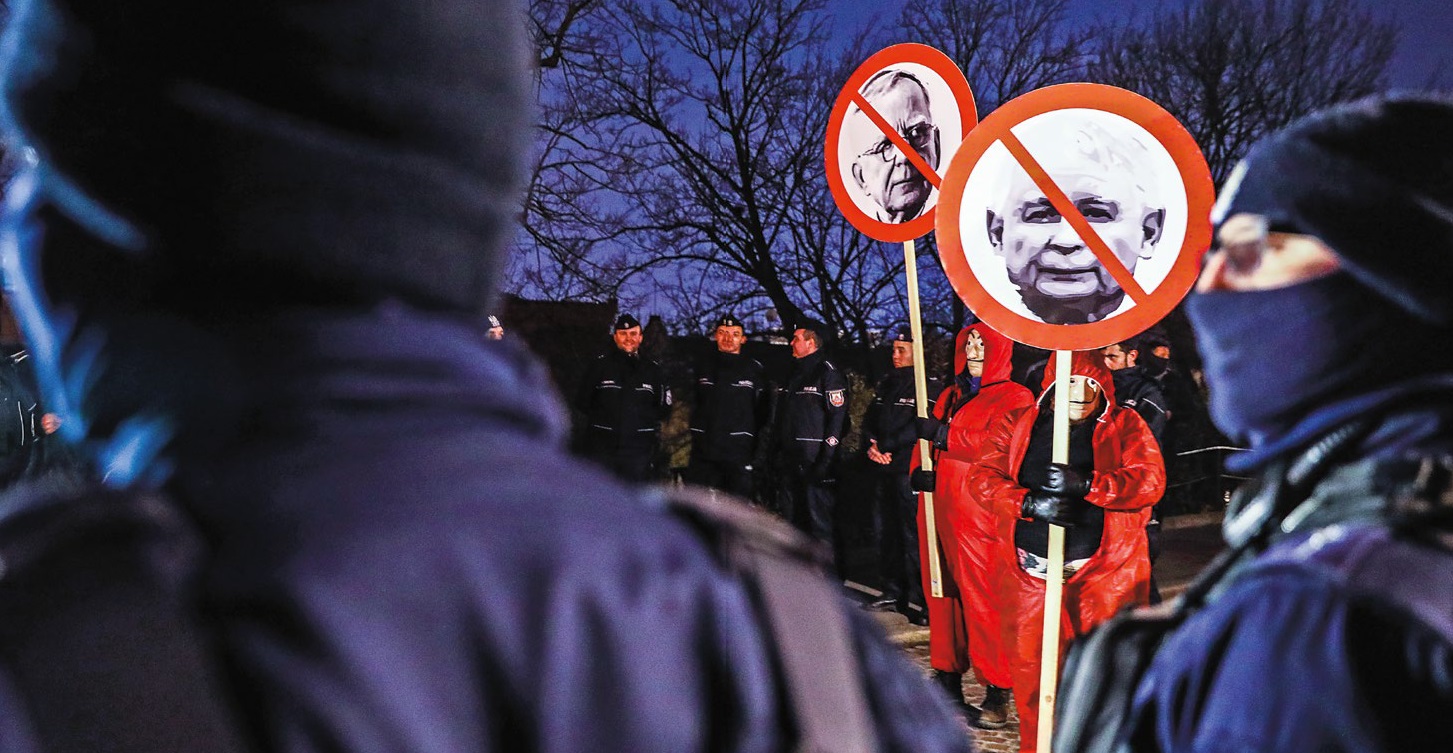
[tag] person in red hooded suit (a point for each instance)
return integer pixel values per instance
(971, 625)
(1102, 497)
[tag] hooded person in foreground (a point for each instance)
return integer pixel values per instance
(1324, 317)
(248, 249)
(1102, 498)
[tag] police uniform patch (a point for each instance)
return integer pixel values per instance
(668, 396)
(837, 397)
(831, 441)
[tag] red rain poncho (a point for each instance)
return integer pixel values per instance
(1129, 477)
(971, 625)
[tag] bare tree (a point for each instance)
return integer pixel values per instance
(557, 253)
(687, 156)
(555, 28)
(1004, 47)
(1232, 71)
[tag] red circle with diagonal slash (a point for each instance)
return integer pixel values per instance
(963, 102)
(1150, 306)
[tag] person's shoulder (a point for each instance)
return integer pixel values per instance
(1123, 418)
(1008, 389)
(528, 512)
(1268, 638)
(1013, 416)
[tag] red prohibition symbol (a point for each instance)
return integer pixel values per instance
(893, 129)
(1075, 216)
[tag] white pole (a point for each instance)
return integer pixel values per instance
(1054, 578)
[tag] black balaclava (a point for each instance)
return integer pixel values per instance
(188, 161)
(1374, 181)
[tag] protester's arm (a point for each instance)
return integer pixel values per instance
(1139, 481)
(991, 476)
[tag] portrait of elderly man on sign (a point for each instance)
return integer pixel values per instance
(1109, 178)
(896, 190)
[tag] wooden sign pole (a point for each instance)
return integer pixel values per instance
(920, 392)
(1054, 577)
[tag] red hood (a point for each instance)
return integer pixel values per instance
(1086, 363)
(998, 353)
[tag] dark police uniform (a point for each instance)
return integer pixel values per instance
(1137, 390)
(811, 414)
(728, 413)
(623, 400)
(891, 423)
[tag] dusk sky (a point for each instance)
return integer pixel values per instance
(1426, 29)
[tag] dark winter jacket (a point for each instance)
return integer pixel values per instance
(1341, 631)
(20, 431)
(891, 419)
(622, 401)
(812, 411)
(1136, 390)
(730, 408)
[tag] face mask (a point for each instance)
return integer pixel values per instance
(1272, 356)
(1084, 397)
(1153, 365)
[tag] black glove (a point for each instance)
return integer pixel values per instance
(921, 480)
(1050, 508)
(932, 429)
(1066, 481)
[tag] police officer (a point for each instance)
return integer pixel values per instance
(496, 329)
(1134, 387)
(812, 409)
(21, 430)
(1139, 391)
(728, 413)
(622, 401)
(890, 431)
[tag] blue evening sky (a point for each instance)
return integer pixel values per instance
(1426, 30)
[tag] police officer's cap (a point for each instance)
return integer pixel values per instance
(625, 321)
(727, 320)
(811, 325)
(904, 335)
(494, 322)
(823, 332)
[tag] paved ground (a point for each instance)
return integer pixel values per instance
(1188, 543)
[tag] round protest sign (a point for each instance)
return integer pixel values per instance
(894, 127)
(1075, 216)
